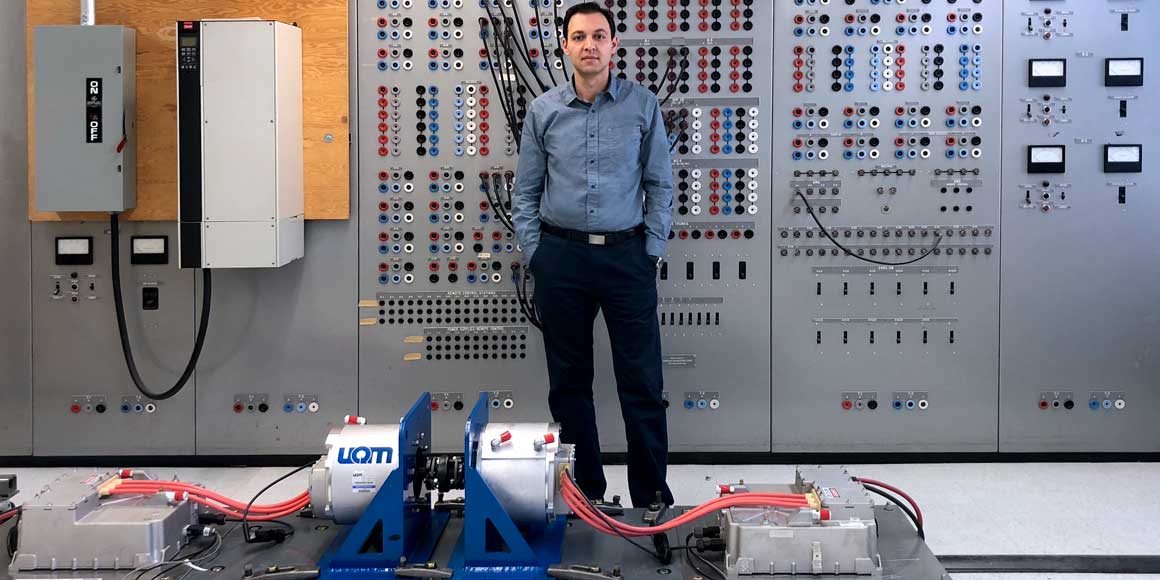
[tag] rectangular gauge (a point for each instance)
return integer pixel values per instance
(1124, 72)
(1046, 159)
(1123, 158)
(74, 251)
(150, 250)
(1047, 72)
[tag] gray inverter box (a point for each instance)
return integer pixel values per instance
(85, 115)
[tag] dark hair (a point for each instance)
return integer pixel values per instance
(589, 8)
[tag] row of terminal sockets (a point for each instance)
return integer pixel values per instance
(260, 403)
(900, 400)
(701, 400)
(99, 404)
(441, 401)
(1097, 400)
(969, 234)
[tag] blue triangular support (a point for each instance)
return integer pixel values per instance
(405, 532)
(526, 558)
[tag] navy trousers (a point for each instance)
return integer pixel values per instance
(574, 280)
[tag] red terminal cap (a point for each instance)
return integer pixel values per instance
(825, 514)
(549, 438)
(354, 420)
(503, 438)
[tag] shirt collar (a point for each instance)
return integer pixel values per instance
(613, 91)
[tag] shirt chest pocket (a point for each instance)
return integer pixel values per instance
(621, 141)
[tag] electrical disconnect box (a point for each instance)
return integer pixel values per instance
(85, 105)
(239, 110)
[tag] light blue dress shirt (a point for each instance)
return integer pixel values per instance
(599, 167)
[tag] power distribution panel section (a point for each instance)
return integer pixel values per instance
(1077, 363)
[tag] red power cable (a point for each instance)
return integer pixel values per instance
(576, 500)
(212, 499)
(887, 486)
(267, 515)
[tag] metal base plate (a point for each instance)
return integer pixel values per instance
(904, 555)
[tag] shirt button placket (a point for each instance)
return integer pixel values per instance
(593, 151)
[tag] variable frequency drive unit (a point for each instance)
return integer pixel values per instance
(239, 110)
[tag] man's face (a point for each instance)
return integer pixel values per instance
(589, 44)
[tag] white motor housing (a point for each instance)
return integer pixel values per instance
(524, 471)
(358, 459)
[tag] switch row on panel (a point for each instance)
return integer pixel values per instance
(898, 336)
(885, 288)
(689, 271)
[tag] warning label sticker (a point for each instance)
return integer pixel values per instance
(830, 492)
(360, 482)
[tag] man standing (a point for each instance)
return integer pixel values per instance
(593, 209)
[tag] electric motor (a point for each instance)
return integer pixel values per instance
(358, 459)
(522, 463)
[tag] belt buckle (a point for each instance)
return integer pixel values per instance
(596, 239)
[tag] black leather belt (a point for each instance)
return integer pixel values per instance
(596, 239)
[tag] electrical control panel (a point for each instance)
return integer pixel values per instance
(1078, 363)
(885, 285)
(285, 339)
(439, 271)
(84, 402)
(847, 176)
(706, 63)
(438, 308)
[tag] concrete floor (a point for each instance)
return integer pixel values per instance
(1039, 508)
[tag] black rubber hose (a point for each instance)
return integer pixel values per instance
(127, 348)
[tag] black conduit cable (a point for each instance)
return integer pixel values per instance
(850, 253)
(485, 32)
(657, 88)
(502, 90)
(900, 505)
(507, 33)
(559, 50)
(127, 348)
(508, 74)
(530, 299)
(527, 307)
(683, 53)
(521, 40)
(543, 45)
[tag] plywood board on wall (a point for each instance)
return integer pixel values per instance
(325, 106)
